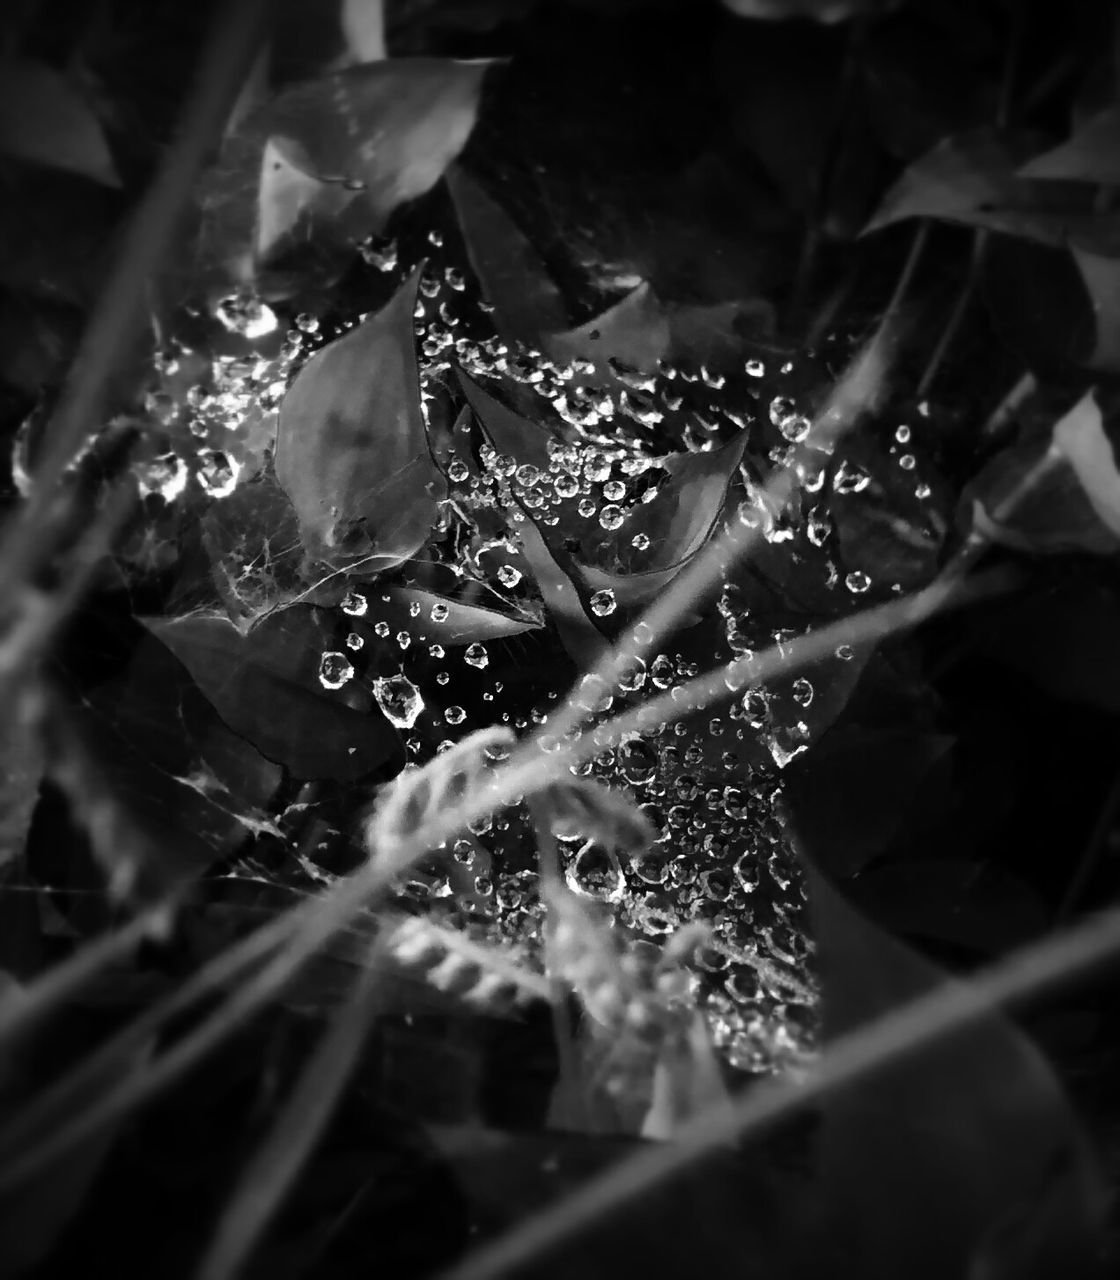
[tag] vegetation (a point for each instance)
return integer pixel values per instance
(560, 627)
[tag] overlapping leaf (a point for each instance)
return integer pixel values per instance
(352, 451)
(265, 685)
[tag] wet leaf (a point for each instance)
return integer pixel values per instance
(508, 432)
(852, 794)
(450, 621)
(1071, 506)
(44, 119)
(265, 685)
(960, 175)
(579, 636)
(1091, 154)
(527, 304)
(921, 1158)
(387, 130)
(352, 451)
(634, 332)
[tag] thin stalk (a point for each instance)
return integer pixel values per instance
(119, 312)
(271, 1173)
(949, 1008)
(956, 316)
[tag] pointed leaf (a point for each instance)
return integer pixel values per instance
(290, 193)
(967, 172)
(352, 451)
(440, 619)
(265, 685)
(508, 432)
(634, 332)
(578, 634)
(923, 1157)
(1092, 154)
(527, 304)
(1080, 438)
(387, 130)
(43, 118)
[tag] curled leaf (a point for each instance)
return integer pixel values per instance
(352, 451)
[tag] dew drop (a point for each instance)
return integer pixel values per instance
(476, 656)
(355, 604)
(439, 612)
(611, 517)
(508, 576)
(454, 715)
(857, 582)
(602, 602)
(399, 700)
(595, 873)
(334, 669)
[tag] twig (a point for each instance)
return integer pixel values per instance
(949, 1008)
(117, 316)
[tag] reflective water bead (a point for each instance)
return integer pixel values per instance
(640, 542)
(802, 691)
(439, 612)
(508, 576)
(476, 656)
(454, 715)
(857, 582)
(334, 670)
(602, 603)
(355, 604)
(354, 641)
(611, 517)
(457, 471)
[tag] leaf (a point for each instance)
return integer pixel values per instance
(44, 119)
(387, 130)
(579, 636)
(162, 787)
(1049, 498)
(634, 332)
(508, 432)
(921, 1158)
(352, 451)
(1091, 154)
(290, 193)
(1066, 641)
(1102, 280)
(265, 685)
(852, 794)
(443, 619)
(527, 304)
(959, 176)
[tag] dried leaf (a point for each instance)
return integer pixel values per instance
(923, 1157)
(265, 685)
(44, 119)
(352, 450)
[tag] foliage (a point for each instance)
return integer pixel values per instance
(502, 338)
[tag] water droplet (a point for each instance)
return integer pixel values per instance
(748, 872)
(802, 692)
(381, 255)
(476, 656)
(246, 315)
(596, 466)
(594, 695)
(508, 576)
(527, 475)
(217, 473)
(334, 669)
(354, 641)
(845, 652)
(754, 368)
(632, 675)
(457, 470)
(902, 434)
(638, 761)
(454, 715)
(586, 508)
(640, 542)
(611, 517)
(850, 479)
(355, 604)
(404, 639)
(439, 611)
(908, 462)
(857, 582)
(922, 492)
(381, 629)
(614, 491)
(661, 672)
(399, 700)
(602, 602)
(595, 873)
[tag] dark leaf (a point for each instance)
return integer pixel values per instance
(921, 1158)
(1065, 641)
(293, 199)
(978, 908)
(387, 130)
(508, 433)
(583, 641)
(161, 786)
(43, 118)
(352, 451)
(851, 795)
(266, 686)
(527, 304)
(958, 177)
(1092, 154)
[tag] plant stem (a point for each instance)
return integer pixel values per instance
(918, 1024)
